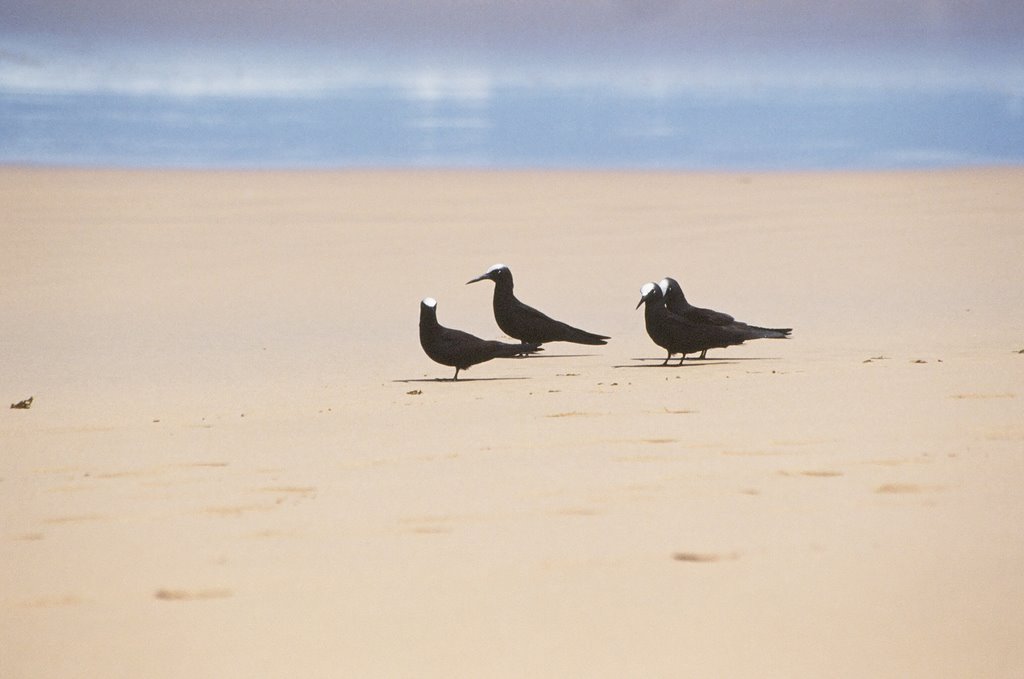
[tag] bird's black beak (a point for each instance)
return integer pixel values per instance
(485, 277)
(639, 303)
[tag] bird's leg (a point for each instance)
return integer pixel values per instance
(456, 375)
(682, 358)
(525, 353)
(704, 354)
(667, 358)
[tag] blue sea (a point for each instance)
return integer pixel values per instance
(518, 125)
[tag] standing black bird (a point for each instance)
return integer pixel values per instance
(525, 323)
(679, 335)
(460, 349)
(675, 301)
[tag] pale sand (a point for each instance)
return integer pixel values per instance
(224, 473)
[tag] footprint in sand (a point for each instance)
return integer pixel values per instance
(704, 557)
(54, 601)
(1007, 434)
(290, 490)
(237, 510)
(129, 473)
(270, 534)
(430, 530)
(58, 471)
(292, 494)
(282, 494)
(192, 595)
(427, 525)
(646, 459)
(70, 488)
(78, 518)
(978, 396)
(906, 488)
(813, 473)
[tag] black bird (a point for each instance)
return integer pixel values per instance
(460, 349)
(678, 334)
(525, 323)
(675, 301)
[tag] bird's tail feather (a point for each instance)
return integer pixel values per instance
(770, 333)
(508, 350)
(583, 337)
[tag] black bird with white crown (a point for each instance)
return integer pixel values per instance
(677, 334)
(525, 323)
(459, 349)
(675, 301)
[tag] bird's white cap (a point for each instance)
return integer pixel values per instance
(663, 284)
(496, 267)
(646, 289)
(430, 302)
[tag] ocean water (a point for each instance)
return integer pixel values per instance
(518, 126)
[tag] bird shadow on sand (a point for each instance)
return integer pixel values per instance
(660, 363)
(461, 379)
(533, 356)
(712, 359)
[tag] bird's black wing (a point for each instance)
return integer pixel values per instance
(709, 316)
(457, 338)
(527, 315)
(536, 326)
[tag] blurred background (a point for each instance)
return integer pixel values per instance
(617, 84)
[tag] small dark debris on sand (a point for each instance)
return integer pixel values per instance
(191, 595)
(414, 392)
(697, 557)
(23, 405)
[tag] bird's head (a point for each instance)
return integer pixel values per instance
(650, 292)
(671, 289)
(428, 308)
(497, 273)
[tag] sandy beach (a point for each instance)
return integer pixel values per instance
(239, 462)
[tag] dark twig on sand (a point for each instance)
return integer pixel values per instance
(23, 405)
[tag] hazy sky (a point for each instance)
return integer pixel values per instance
(647, 29)
(284, 45)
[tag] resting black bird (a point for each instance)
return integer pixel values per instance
(675, 301)
(525, 323)
(677, 334)
(460, 349)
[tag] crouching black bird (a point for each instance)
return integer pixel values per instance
(676, 302)
(678, 334)
(525, 323)
(460, 349)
